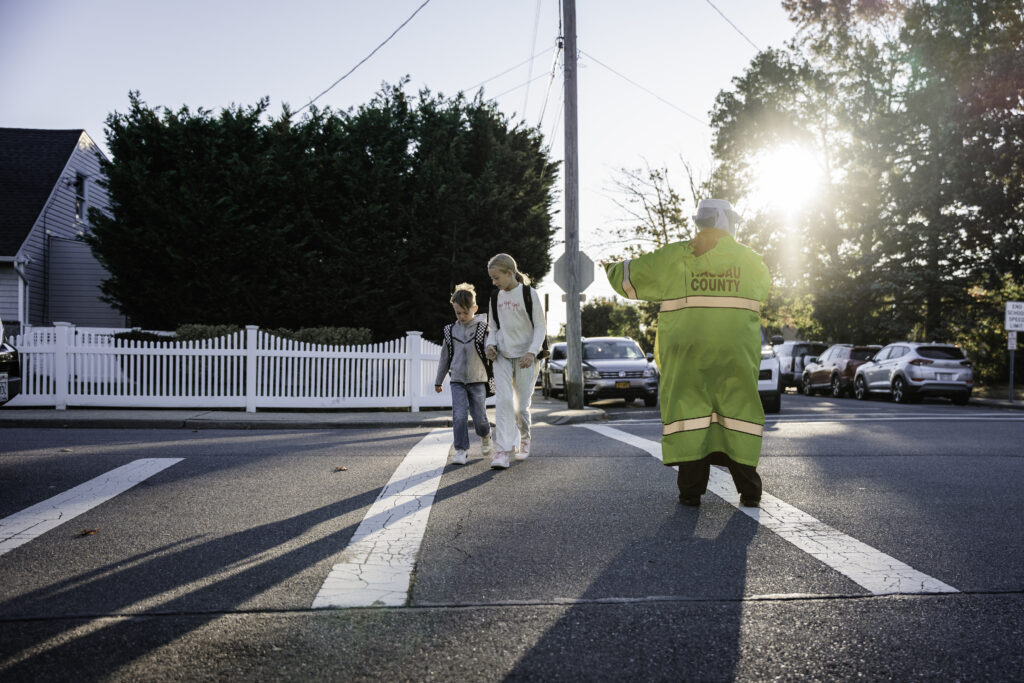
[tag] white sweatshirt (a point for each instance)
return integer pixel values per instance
(517, 336)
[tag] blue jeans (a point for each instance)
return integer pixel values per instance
(468, 398)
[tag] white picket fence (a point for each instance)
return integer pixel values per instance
(65, 366)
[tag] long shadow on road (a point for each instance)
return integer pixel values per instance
(78, 648)
(683, 615)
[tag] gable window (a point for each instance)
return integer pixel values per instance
(80, 198)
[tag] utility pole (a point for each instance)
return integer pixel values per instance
(573, 345)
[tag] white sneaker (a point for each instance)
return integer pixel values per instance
(485, 445)
(524, 450)
(459, 458)
(500, 461)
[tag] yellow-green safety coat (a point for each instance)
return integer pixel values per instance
(708, 346)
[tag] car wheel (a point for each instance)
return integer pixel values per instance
(545, 388)
(805, 386)
(899, 391)
(773, 403)
(860, 389)
(836, 387)
(961, 399)
(651, 401)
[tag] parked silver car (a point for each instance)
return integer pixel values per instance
(909, 371)
(613, 367)
(552, 372)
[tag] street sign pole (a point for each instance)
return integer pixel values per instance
(1012, 349)
(1014, 324)
(573, 344)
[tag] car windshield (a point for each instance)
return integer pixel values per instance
(940, 352)
(611, 350)
(557, 352)
(861, 354)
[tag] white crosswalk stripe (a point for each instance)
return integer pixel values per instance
(872, 569)
(34, 521)
(376, 567)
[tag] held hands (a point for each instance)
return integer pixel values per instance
(527, 360)
(492, 352)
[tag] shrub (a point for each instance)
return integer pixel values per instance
(327, 336)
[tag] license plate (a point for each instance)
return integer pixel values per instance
(944, 376)
(622, 385)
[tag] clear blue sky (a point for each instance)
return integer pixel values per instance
(69, 63)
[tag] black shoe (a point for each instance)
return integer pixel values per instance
(750, 502)
(692, 502)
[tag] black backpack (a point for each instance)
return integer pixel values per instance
(479, 342)
(528, 302)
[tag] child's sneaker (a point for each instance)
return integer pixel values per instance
(485, 445)
(500, 461)
(459, 458)
(524, 450)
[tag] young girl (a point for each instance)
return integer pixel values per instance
(513, 341)
(460, 355)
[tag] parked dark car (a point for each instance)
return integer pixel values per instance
(909, 371)
(834, 371)
(791, 357)
(613, 367)
(10, 369)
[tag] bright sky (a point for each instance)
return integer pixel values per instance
(69, 63)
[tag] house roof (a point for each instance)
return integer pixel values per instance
(31, 161)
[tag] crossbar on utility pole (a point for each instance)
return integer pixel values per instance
(574, 349)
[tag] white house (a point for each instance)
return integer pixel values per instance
(48, 182)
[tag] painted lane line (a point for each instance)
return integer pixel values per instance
(376, 566)
(868, 567)
(22, 527)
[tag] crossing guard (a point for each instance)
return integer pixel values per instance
(708, 345)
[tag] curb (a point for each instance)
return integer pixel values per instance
(382, 420)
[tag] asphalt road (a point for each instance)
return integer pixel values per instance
(577, 564)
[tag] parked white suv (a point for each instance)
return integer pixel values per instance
(769, 379)
(909, 371)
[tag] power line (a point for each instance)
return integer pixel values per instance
(554, 74)
(646, 90)
(511, 68)
(533, 46)
(733, 25)
(364, 59)
(521, 85)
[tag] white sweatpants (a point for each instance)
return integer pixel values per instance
(513, 394)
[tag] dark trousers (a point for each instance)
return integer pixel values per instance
(693, 477)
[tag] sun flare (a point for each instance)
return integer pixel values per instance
(786, 178)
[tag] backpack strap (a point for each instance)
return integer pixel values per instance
(493, 305)
(480, 341)
(448, 341)
(528, 302)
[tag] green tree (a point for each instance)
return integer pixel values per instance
(914, 109)
(610, 317)
(366, 218)
(596, 317)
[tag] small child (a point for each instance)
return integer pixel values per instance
(462, 354)
(516, 335)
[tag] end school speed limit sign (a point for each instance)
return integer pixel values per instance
(1015, 316)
